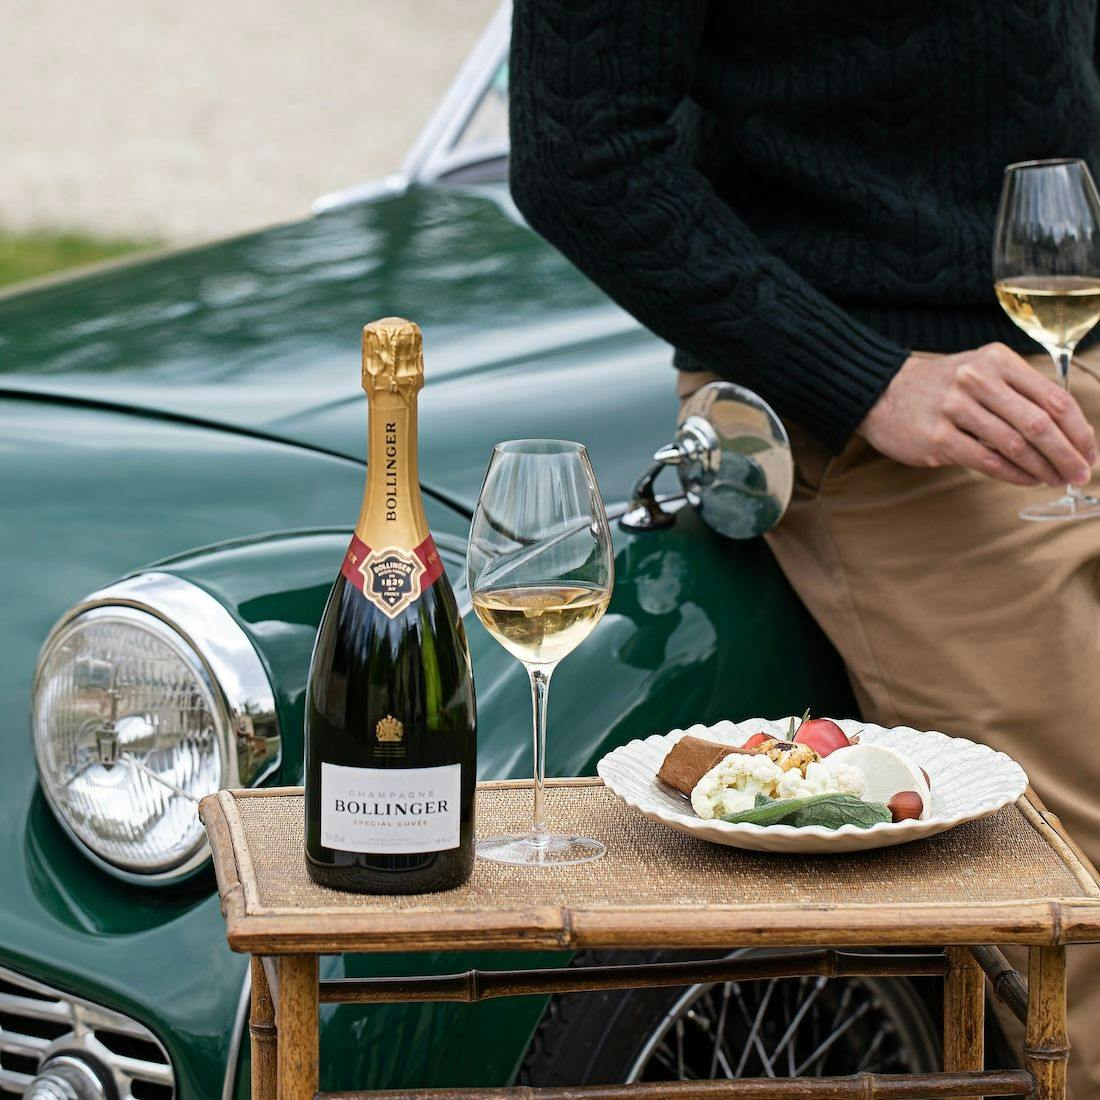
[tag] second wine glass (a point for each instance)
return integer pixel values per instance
(540, 568)
(1046, 272)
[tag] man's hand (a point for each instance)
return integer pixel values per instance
(986, 409)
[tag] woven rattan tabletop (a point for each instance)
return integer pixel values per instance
(1013, 877)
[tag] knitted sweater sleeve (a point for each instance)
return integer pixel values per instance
(596, 170)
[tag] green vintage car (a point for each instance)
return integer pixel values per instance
(182, 442)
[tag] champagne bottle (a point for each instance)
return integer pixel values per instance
(390, 734)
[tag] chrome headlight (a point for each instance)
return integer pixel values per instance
(148, 696)
(66, 1078)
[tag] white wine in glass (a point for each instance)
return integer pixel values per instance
(540, 569)
(1046, 272)
(541, 623)
(1055, 310)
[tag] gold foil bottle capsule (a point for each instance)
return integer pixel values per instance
(393, 356)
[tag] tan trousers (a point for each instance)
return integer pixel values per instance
(953, 614)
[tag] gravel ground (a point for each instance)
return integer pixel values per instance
(191, 120)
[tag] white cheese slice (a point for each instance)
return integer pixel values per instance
(886, 772)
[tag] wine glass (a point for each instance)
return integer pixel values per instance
(540, 568)
(1046, 273)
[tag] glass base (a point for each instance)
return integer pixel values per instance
(1064, 508)
(540, 849)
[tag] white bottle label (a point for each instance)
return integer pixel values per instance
(390, 811)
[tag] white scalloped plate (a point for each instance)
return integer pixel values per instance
(969, 781)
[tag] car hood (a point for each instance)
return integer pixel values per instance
(260, 334)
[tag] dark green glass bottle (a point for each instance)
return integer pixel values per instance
(391, 731)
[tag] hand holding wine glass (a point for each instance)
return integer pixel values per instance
(540, 569)
(986, 409)
(1046, 269)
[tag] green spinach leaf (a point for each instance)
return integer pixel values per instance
(828, 810)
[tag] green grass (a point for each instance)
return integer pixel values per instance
(30, 255)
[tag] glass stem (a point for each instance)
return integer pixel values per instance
(1062, 358)
(540, 690)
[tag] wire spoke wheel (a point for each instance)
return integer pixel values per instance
(784, 1027)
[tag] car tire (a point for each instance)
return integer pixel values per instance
(613, 1037)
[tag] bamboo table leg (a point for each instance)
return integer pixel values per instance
(264, 1037)
(963, 1013)
(296, 1019)
(1046, 1047)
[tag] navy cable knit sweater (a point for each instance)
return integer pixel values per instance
(795, 192)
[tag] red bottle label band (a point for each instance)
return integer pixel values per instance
(391, 577)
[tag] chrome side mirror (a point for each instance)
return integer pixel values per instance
(734, 461)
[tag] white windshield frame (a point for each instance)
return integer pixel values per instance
(434, 156)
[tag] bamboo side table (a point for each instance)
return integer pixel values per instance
(1014, 878)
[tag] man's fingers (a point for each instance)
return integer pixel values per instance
(1060, 404)
(1034, 423)
(1000, 436)
(967, 451)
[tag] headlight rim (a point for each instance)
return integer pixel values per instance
(140, 618)
(250, 737)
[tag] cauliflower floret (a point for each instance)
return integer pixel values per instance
(795, 785)
(732, 785)
(843, 778)
(820, 778)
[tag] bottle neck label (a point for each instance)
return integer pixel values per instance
(392, 558)
(393, 511)
(390, 576)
